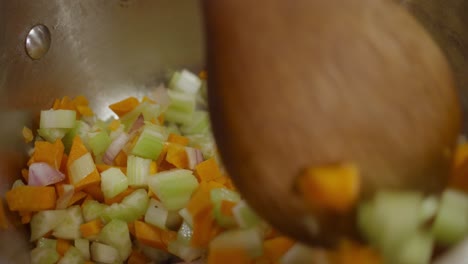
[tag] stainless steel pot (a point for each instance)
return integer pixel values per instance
(108, 50)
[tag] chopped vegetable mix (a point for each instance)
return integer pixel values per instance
(148, 186)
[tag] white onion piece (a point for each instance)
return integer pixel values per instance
(456, 255)
(64, 200)
(42, 174)
(161, 97)
(114, 148)
(194, 157)
(139, 122)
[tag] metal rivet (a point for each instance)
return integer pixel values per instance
(38, 42)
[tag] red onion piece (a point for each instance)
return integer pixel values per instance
(139, 122)
(115, 147)
(194, 156)
(42, 174)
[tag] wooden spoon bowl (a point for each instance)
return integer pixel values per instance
(298, 84)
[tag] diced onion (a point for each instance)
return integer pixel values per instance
(42, 174)
(115, 147)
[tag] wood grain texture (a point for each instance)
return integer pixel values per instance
(304, 83)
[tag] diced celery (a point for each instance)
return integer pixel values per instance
(148, 110)
(44, 256)
(417, 249)
(81, 129)
(429, 208)
(181, 107)
(72, 256)
(44, 221)
(245, 216)
(150, 143)
(57, 118)
(174, 187)
(92, 210)
(300, 253)
(367, 223)
(451, 222)
(52, 134)
(217, 196)
(138, 170)
(199, 124)
(156, 215)
(99, 141)
(47, 243)
(396, 214)
(185, 214)
(69, 228)
(185, 81)
(138, 200)
(173, 128)
(133, 207)
(185, 233)
(113, 182)
(184, 251)
(17, 183)
(116, 234)
(249, 240)
(104, 253)
(457, 254)
(81, 168)
(120, 212)
(83, 247)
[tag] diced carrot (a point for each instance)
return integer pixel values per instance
(226, 207)
(25, 217)
(3, 216)
(229, 256)
(275, 248)
(63, 246)
(67, 104)
(137, 258)
(161, 119)
(77, 150)
(178, 139)
(153, 168)
(84, 110)
(122, 107)
(131, 228)
(208, 170)
(121, 159)
(332, 187)
(63, 168)
(77, 196)
(27, 134)
(25, 174)
(91, 228)
(177, 156)
(56, 104)
(461, 155)
(92, 179)
(201, 198)
(31, 198)
(50, 153)
(204, 227)
(80, 100)
(102, 167)
(119, 197)
(153, 236)
(114, 125)
(203, 75)
(95, 191)
(350, 252)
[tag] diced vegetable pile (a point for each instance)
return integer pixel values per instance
(148, 186)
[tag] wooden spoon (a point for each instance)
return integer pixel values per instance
(297, 84)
